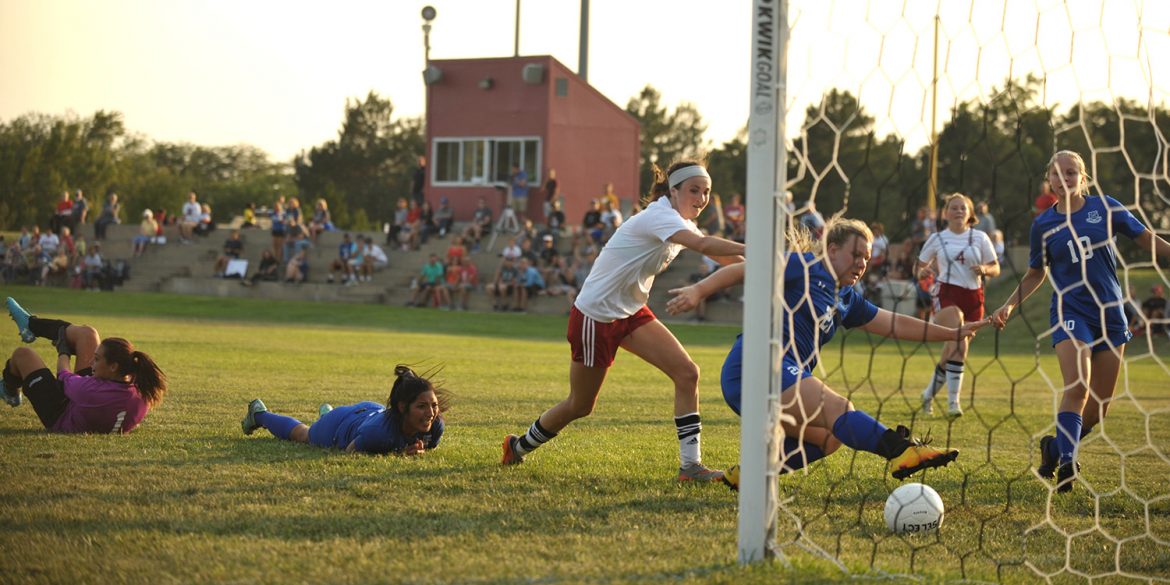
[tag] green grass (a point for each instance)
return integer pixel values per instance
(187, 498)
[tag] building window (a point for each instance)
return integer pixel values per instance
(562, 86)
(478, 161)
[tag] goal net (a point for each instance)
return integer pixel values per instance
(874, 109)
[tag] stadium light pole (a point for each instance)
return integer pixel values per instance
(763, 291)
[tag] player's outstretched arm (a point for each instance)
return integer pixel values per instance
(1149, 240)
(688, 297)
(899, 326)
(712, 246)
(1028, 285)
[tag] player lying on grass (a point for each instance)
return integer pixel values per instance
(819, 297)
(410, 423)
(1073, 242)
(110, 389)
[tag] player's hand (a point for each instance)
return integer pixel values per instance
(925, 272)
(967, 331)
(1000, 317)
(685, 299)
(414, 448)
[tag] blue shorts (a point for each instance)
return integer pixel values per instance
(731, 378)
(1088, 330)
(323, 432)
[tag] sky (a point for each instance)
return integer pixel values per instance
(277, 74)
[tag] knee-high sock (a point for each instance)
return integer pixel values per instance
(859, 431)
(535, 437)
(1054, 449)
(279, 425)
(793, 457)
(689, 428)
(1068, 435)
(11, 381)
(936, 381)
(46, 328)
(954, 382)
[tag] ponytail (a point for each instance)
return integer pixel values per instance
(138, 366)
(661, 187)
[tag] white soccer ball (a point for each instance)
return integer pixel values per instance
(914, 508)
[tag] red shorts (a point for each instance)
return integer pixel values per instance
(969, 301)
(595, 344)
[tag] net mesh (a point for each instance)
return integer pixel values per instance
(1015, 82)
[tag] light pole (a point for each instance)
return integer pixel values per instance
(428, 14)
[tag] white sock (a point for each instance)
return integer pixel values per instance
(689, 427)
(954, 382)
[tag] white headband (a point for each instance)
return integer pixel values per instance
(685, 173)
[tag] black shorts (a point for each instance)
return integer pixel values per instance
(47, 395)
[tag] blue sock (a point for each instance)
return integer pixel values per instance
(1068, 434)
(279, 425)
(859, 431)
(793, 459)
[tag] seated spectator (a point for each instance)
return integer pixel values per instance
(526, 251)
(481, 225)
(426, 222)
(58, 265)
(705, 268)
(79, 211)
(400, 211)
(456, 249)
(591, 225)
(296, 242)
(249, 216)
(813, 221)
(49, 242)
(1154, 309)
(529, 284)
(562, 280)
(68, 244)
(147, 232)
(373, 259)
(444, 217)
(511, 251)
(62, 214)
(735, 218)
(205, 225)
(881, 250)
(411, 234)
(191, 213)
(503, 285)
(92, 268)
(555, 222)
(297, 269)
(278, 230)
(269, 269)
(452, 282)
(346, 251)
(322, 220)
(293, 215)
(428, 286)
(998, 245)
(611, 220)
(527, 233)
(548, 255)
(233, 248)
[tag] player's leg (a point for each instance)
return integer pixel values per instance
(947, 369)
(1106, 365)
(26, 371)
(23, 362)
(1075, 359)
(281, 427)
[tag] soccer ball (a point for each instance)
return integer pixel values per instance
(914, 508)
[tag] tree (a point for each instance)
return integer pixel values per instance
(666, 136)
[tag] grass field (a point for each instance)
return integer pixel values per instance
(187, 498)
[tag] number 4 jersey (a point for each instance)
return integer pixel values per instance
(1079, 252)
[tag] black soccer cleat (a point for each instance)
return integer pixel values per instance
(1048, 463)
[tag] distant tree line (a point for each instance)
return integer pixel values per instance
(992, 149)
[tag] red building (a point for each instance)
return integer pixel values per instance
(484, 115)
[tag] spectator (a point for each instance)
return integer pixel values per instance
(481, 224)
(735, 216)
(813, 221)
(610, 197)
(190, 217)
(529, 284)
(519, 180)
(297, 269)
(548, 255)
(111, 213)
(881, 250)
(399, 222)
(49, 242)
(562, 280)
(92, 266)
(444, 217)
(426, 222)
(147, 231)
(346, 251)
(555, 221)
(68, 245)
(79, 211)
(922, 228)
(706, 267)
(373, 259)
(551, 192)
(62, 214)
(249, 216)
(269, 269)
(322, 221)
(292, 213)
(410, 232)
(296, 244)
(503, 285)
(58, 265)
(1154, 310)
(233, 248)
(611, 220)
(511, 251)
(591, 225)
(1045, 199)
(278, 230)
(205, 225)
(429, 285)
(419, 180)
(468, 281)
(456, 250)
(997, 244)
(453, 282)
(986, 222)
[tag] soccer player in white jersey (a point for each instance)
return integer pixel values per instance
(1073, 242)
(611, 312)
(963, 257)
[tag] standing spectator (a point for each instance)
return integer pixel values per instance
(429, 283)
(1045, 199)
(519, 180)
(555, 221)
(322, 221)
(551, 192)
(277, 230)
(190, 217)
(398, 223)
(1154, 310)
(233, 248)
(881, 249)
(611, 220)
(922, 228)
(986, 223)
(444, 216)
(111, 212)
(502, 286)
(79, 211)
(735, 215)
(419, 180)
(147, 231)
(529, 283)
(61, 215)
(292, 213)
(346, 251)
(481, 224)
(611, 197)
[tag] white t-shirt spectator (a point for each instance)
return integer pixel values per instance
(49, 242)
(619, 283)
(379, 256)
(192, 212)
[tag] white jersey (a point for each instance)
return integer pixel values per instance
(957, 255)
(619, 284)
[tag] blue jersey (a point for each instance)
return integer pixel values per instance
(370, 427)
(1079, 252)
(817, 308)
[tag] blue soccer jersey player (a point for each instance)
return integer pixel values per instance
(1073, 242)
(410, 423)
(819, 298)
